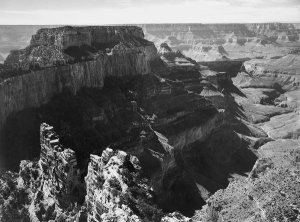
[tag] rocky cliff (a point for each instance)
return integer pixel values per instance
(116, 191)
(112, 52)
(62, 45)
(51, 189)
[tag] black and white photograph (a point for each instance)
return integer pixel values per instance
(149, 110)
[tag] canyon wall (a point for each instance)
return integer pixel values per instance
(128, 54)
(215, 42)
(37, 87)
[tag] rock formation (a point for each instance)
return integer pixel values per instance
(128, 54)
(51, 189)
(68, 44)
(116, 191)
(57, 162)
(176, 60)
(50, 186)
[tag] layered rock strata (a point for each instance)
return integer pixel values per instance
(213, 42)
(111, 52)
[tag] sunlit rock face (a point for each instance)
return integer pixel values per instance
(63, 45)
(258, 198)
(115, 190)
(50, 187)
(56, 161)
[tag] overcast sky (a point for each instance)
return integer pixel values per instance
(96, 12)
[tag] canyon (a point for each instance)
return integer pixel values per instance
(210, 42)
(101, 124)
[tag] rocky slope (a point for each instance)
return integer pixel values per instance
(271, 193)
(269, 96)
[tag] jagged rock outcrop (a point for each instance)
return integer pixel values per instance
(51, 189)
(57, 162)
(115, 190)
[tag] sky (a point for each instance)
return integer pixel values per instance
(99, 12)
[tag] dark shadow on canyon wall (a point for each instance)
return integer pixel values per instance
(90, 120)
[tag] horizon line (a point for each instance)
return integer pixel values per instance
(148, 23)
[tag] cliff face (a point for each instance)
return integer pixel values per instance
(128, 54)
(77, 36)
(69, 44)
(36, 88)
